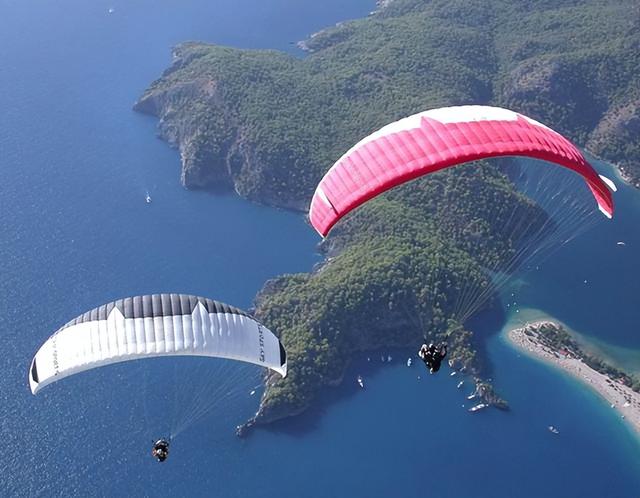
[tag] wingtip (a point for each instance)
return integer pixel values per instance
(609, 183)
(605, 211)
(33, 377)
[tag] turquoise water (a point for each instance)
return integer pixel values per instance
(75, 164)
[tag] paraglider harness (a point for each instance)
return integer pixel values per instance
(432, 356)
(160, 450)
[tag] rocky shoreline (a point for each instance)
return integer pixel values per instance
(483, 393)
(266, 125)
(306, 45)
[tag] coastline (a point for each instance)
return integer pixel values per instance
(618, 169)
(619, 396)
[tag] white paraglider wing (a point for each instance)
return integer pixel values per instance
(152, 326)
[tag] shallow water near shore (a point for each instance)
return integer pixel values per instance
(525, 317)
(625, 358)
(76, 164)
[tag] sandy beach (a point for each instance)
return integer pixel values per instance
(621, 397)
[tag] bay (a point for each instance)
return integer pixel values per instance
(75, 166)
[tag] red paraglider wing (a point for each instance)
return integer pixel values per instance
(433, 140)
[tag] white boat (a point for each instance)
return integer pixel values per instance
(147, 198)
(553, 429)
(111, 10)
(621, 243)
(453, 373)
(478, 407)
(389, 358)
(360, 381)
(460, 384)
(252, 392)
(409, 361)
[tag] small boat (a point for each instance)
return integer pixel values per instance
(111, 10)
(460, 384)
(389, 358)
(409, 361)
(478, 407)
(620, 243)
(553, 429)
(453, 373)
(360, 381)
(252, 392)
(147, 198)
(382, 358)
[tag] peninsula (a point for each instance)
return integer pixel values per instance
(550, 342)
(267, 125)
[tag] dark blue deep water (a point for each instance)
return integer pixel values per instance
(75, 164)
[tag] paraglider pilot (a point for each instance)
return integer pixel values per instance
(160, 450)
(433, 356)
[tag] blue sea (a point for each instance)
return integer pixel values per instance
(75, 166)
